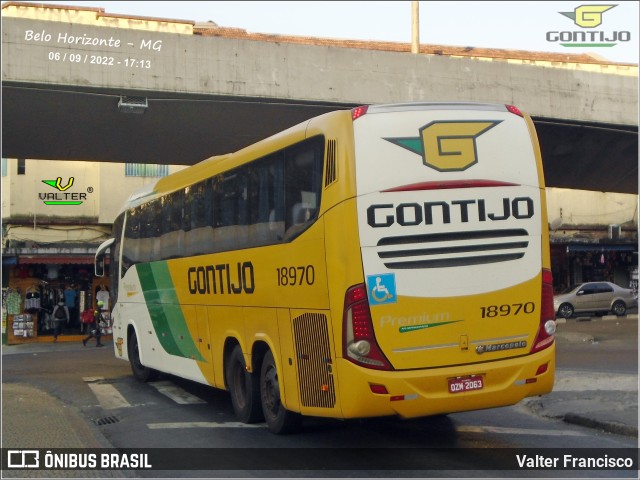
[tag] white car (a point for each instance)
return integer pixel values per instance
(596, 297)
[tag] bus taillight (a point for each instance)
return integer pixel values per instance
(359, 341)
(547, 328)
(358, 112)
(514, 110)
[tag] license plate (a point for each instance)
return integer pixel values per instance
(466, 384)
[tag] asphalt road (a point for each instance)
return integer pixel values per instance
(97, 393)
(598, 345)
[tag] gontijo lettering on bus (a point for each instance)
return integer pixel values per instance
(221, 279)
(410, 214)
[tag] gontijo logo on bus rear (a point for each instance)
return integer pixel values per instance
(447, 146)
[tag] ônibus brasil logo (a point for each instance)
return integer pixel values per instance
(62, 197)
(588, 17)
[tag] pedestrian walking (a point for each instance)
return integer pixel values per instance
(94, 328)
(60, 316)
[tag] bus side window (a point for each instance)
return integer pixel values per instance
(172, 234)
(114, 268)
(303, 180)
(276, 197)
(302, 213)
(155, 230)
(198, 236)
(131, 246)
(186, 209)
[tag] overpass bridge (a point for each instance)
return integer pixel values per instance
(83, 84)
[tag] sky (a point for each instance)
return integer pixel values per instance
(520, 25)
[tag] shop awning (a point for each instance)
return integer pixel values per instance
(55, 259)
(9, 261)
(601, 248)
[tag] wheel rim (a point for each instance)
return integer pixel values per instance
(271, 392)
(619, 308)
(566, 311)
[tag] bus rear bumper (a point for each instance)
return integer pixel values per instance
(418, 393)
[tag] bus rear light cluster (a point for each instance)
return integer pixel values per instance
(542, 369)
(378, 389)
(514, 110)
(358, 112)
(359, 341)
(547, 328)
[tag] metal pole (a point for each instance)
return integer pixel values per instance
(415, 27)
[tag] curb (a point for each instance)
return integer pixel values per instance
(631, 316)
(609, 427)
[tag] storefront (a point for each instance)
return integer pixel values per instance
(37, 283)
(582, 262)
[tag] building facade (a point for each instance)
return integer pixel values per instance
(54, 216)
(594, 237)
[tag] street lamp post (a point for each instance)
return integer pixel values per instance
(415, 27)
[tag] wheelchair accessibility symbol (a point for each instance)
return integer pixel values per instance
(382, 288)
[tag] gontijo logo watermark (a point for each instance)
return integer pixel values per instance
(588, 17)
(62, 197)
(447, 146)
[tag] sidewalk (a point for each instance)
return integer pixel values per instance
(602, 400)
(32, 419)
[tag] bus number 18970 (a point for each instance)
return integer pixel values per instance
(505, 310)
(296, 276)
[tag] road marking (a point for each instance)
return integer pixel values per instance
(518, 431)
(107, 395)
(170, 425)
(176, 393)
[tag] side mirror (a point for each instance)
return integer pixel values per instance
(99, 267)
(98, 263)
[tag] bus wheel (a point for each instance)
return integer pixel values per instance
(279, 419)
(243, 387)
(142, 373)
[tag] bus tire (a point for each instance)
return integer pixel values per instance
(142, 373)
(279, 419)
(244, 388)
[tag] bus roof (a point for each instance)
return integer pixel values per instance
(188, 176)
(170, 183)
(398, 107)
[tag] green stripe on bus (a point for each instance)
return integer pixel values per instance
(165, 312)
(172, 310)
(158, 319)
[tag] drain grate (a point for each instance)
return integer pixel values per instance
(106, 420)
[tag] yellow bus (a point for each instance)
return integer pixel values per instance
(385, 260)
